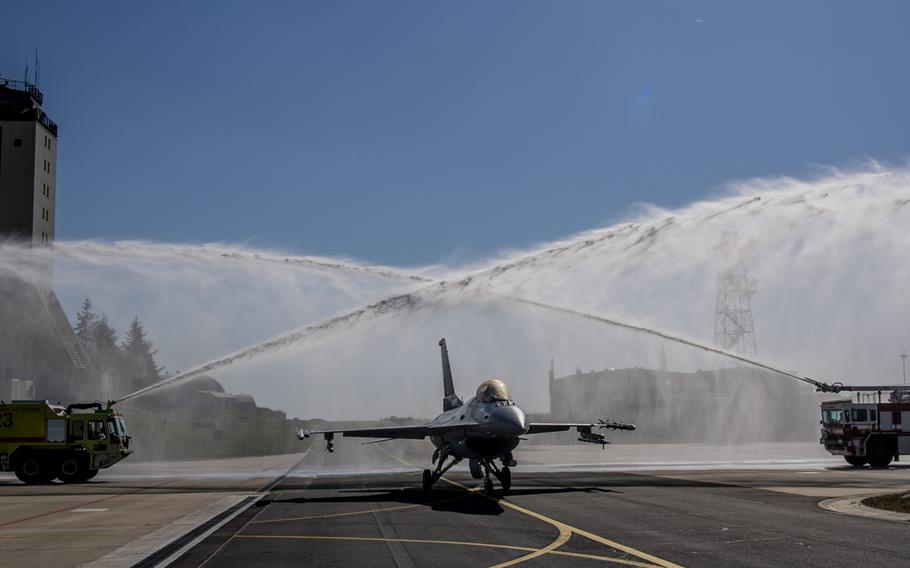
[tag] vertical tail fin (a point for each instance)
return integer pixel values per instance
(450, 400)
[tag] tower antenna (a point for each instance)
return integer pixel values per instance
(733, 325)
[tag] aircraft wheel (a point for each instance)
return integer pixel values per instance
(488, 487)
(427, 481)
(505, 478)
(476, 468)
(855, 461)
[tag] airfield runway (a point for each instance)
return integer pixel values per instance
(362, 506)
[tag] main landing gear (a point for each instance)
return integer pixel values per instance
(439, 458)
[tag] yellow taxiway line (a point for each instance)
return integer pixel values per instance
(562, 527)
(454, 543)
(350, 513)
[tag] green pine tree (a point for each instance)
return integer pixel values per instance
(86, 320)
(139, 356)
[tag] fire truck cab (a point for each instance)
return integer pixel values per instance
(867, 432)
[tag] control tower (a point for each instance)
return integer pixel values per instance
(40, 355)
(28, 164)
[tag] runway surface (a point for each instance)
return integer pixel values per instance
(688, 516)
(363, 506)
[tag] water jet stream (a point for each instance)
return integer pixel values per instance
(211, 251)
(394, 304)
(410, 302)
(663, 335)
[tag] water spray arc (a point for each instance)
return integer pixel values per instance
(394, 304)
(411, 301)
(658, 259)
(214, 251)
(820, 386)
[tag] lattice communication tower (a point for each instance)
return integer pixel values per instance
(734, 329)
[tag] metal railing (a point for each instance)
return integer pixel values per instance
(23, 86)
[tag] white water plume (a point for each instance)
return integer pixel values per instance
(827, 254)
(199, 301)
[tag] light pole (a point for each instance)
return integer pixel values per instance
(904, 365)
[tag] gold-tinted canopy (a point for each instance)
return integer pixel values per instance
(493, 390)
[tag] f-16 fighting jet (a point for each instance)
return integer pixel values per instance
(485, 429)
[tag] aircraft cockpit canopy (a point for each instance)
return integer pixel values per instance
(493, 390)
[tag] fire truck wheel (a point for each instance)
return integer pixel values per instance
(32, 469)
(879, 453)
(73, 469)
(855, 461)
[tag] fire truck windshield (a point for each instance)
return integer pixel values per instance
(833, 416)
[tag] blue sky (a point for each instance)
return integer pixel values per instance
(415, 132)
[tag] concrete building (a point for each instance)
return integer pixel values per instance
(39, 353)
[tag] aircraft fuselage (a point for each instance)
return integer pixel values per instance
(502, 424)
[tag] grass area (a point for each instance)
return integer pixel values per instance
(898, 502)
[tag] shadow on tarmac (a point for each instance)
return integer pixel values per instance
(441, 499)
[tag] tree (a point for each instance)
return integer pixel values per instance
(103, 344)
(139, 355)
(104, 337)
(86, 320)
(124, 367)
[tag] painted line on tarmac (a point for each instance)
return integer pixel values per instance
(559, 525)
(363, 512)
(450, 542)
(81, 505)
(268, 486)
(174, 549)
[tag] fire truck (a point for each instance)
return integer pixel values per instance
(867, 430)
(41, 441)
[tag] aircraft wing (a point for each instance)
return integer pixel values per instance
(417, 432)
(544, 427)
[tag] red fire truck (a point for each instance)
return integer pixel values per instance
(868, 431)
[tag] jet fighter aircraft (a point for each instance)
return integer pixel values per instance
(485, 429)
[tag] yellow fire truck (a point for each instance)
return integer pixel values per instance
(41, 441)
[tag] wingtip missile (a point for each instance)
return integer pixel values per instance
(613, 425)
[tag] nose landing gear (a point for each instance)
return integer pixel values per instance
(503, 474)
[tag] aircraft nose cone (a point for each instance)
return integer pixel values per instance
(511, 421)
